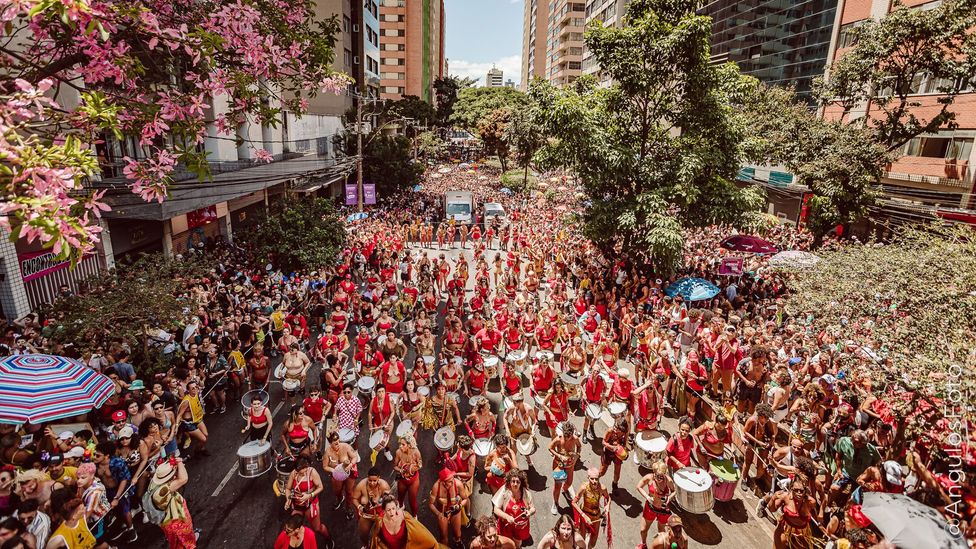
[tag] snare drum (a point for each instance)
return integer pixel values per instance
(693, 490)
(405, 428)
(347, 435)
(454, 396)
(377, 440)
(473, 401)
(366, 384)
(725, 476)
(650, 448)
(483, 446)
(617, 409)
(491, 366)
(525, 444)
(280, 371)
(283, 469)
(423, 391)
(545, 356)
(444, 439)
(572, 383)
(429, 360)
(594, 410)
(517, 358)
(339, 474)
(291, 384)
(254, 459)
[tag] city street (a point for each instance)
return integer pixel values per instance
(230, 509)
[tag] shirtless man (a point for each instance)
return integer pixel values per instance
(296, 367)
(366, 497)
(520, 419)
(488, 537)
(343, 456)
(565, 450)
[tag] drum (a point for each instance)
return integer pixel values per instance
(545, 356)
(693, 490)
(423, 391)
(483, 446)
(650, 448)
(594, 410)
(429, 360)
(572, 383)
(377, 439)
(347, 435)
(407, 327)
(280, 371)
(725, 475)
(454, 396)
(491, 366)
(405, 428)
(283, 468)
(617, 409)
(444, 439)
(248, 396)
(366, 384)
(291, 385)
(381, 340)
(517, 358)
(622, 453)
(525, 444)
(254, 459)
(339, 474)
(473, 401)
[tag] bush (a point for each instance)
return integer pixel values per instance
(514, 180)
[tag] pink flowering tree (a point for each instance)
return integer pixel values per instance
(78, 72)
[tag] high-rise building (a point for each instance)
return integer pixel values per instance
(495, 78)
(780, 42)
(610, 13)
(535, 29)
(412, 56)
(510, 83)
(564, 44)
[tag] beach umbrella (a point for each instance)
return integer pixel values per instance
(418, 188)
(356, 217)
(464, 165)
(794, 259)
(906, 522)
(693, 289)
(444, 170)
(748, 243)
(506, 191)
(39, 388)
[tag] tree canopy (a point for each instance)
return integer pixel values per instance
(299, 234)
(660, 146)
(410, 106)
(446, 93)
(475, 104)
(146, 72)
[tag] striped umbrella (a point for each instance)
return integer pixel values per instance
(39, 388)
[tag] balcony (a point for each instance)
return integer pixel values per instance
(934, 171)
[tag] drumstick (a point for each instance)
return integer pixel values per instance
(689, 478)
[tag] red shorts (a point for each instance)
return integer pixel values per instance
(660, 515)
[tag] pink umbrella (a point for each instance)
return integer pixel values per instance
(750, 244)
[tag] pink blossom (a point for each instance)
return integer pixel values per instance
(263, 155)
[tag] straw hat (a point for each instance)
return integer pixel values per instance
(164, 473)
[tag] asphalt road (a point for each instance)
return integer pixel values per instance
(245, 513)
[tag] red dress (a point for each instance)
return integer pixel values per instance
(559, 403)
(515, 508)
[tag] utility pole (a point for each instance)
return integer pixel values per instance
(359, 152)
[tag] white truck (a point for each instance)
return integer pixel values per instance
(459, 206)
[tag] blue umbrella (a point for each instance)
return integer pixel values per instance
(418, 188)
(357, 216)
(506, 191)
(693, 289)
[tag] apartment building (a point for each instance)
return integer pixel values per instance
(412, 54)
(934, 175)
(495, 78)
(564, 41)
(609, 13)
(535, 30)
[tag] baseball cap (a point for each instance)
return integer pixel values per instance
(893, 472)
(126, 432)
(75, 452)
(118, 415)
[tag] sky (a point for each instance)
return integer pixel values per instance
(481, 33)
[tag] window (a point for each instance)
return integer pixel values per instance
(394, 18)
(392, 76)
(374, 9)
(394, 47)
(346, 24)
(394, 32)
(395, 61)
(394, 3)
(372, 37)
(372, 65)
(960, 149)
(848, 34)
(347, 57)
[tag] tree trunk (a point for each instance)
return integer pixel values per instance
(525, 177)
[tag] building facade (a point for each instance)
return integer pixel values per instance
(495, 78)
(564, 41)
(412, 53)
(610, 13)
(781, 42)
(535, 29)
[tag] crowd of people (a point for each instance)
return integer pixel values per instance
(422, 319)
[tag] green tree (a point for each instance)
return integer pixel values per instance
(525, 137)
(494, 138)
(129, 304)
(660, 146)
(919, 334)
(475, 104)
(410, 106)
(446, 93)
(429, 145)
(297, 235)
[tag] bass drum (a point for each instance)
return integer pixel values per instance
(693, 490)
(254, 459)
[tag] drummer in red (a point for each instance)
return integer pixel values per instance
(594, 392)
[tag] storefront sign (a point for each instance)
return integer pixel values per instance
(35, 265)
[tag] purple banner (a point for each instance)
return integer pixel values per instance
(369, 193)
(352, 197)
(731, 266)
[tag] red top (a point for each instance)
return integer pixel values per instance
(594, 388)
(542, 379)
(308, 542)
(622, 388)
(381, 415)
(397, 540)
(395, 388)
(313, 407)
